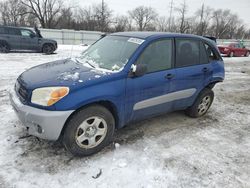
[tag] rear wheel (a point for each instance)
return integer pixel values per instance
(89, 131)
(247, 54)
(201, 104)
(231, 54)
(48, 49)
(4, 47)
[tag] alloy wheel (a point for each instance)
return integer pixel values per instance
(204, 105)
(91, 132)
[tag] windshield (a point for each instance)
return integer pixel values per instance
(111, 52)
(227, 44)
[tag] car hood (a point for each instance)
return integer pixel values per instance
(48, 40)
(223, 46)
(66, 72)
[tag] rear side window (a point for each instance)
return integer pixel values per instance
(204, 54)
(187, 52)
(13, 31)
(157, 56)
(2, 30)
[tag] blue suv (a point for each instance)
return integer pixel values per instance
(122, 78)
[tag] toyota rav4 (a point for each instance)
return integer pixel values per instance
(122, 78)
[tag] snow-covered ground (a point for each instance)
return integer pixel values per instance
(172, 150)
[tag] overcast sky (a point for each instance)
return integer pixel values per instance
(241, 7)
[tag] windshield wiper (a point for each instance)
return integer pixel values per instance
(84, 62)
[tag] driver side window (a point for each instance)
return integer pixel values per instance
(26, 33)
(157, 56)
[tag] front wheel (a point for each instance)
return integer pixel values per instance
(201, 104)
(48, 49)
(247, 54)
(89, 131)
(231, 54)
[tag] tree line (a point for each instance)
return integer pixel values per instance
(54, 14)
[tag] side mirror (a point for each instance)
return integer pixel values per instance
(32, 35)
(139, 70)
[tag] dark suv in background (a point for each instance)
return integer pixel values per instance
(16, 38)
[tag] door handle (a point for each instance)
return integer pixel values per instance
(205, 69)
(169, 76)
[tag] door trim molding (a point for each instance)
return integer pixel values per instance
(182, 94)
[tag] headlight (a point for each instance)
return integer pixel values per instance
(48, 96)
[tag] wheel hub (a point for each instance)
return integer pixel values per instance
(91, 131)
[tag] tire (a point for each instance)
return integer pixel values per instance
(89, 131)
(247, 54)
(231, 54)
(201, 104)
(4, 47)
(48, 49)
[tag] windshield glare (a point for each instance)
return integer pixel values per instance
(111, 52)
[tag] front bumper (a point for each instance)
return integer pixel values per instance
(40, 123)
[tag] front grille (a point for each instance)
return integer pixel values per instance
(22, 91)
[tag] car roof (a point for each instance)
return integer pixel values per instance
(14, 27)
(145, 35)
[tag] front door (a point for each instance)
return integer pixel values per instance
(150, 94)
(29, 41)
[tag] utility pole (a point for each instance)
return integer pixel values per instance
(201, 21)
(170, 16)
(102, 16)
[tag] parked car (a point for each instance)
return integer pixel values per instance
(16, 38)
(122, 78)
(233, 49)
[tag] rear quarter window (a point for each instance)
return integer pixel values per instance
(13, 31)
(212, 55)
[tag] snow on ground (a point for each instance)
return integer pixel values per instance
(172, 150)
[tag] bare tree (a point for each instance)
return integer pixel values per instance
(86, 19)
(121, 23)
(204, 15)
(12, 12)
(183, 21)
(102, 15)
(143, 17)
(222, 20)
(53, 14)
(66, 19)
(162, 23)
(46, 11)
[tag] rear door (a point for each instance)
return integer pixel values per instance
(150, 94)
(13, 38)
(191, 70)
(237, 49)
(29, 41)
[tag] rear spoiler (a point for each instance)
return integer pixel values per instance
(211, 38)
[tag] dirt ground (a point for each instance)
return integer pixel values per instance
(172, 150)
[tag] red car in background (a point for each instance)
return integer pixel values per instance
(233, 49)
